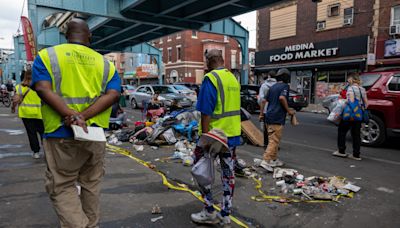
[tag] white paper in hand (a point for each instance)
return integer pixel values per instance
(95, 134)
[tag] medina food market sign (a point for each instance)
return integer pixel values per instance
(313, 50)
(303, 51)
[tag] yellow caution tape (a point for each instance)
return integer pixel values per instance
(179, 186)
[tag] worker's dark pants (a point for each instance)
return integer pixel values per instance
(34, 126)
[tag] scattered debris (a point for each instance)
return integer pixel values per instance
(156, 209)
(383, 189)
(156, 219)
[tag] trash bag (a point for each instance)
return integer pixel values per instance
(203, 171)
(336, 115)
(124, 135)
(169, 136)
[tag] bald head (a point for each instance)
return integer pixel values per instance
(214, 59)
(78, 32)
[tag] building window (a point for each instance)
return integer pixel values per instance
(283, 22)
(334, 10)
(161, 40)
(194, 34)
(169, 55)
(178, 35)
(178, 53)
(226, 39)
(168, 38)
(321, 25)
(233, 59)
(395, 18)
(348, 16)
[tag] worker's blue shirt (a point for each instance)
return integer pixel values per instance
(206, 102)
(40, 73)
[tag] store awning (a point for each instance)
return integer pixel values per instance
(348, 62)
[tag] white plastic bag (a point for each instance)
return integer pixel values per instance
(336, 114)
(203, 170)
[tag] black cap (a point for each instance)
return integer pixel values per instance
(283, 71)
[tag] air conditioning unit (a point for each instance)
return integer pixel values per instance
(321, 25)
(348, 21)
(394, 29)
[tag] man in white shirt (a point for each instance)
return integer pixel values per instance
(269, 81)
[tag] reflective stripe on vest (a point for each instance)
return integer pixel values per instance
(222, 96)
(55, 67)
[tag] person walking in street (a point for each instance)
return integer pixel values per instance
(10, 87)
(29, 110)
(269, 81)
(354, 92)
(275, 117)
(219, 104)
(78, 86)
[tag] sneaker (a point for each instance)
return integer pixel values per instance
(338, 154)
(36, 155)
(267, 165)
(277, 162)
(224, 221)
(205, 217)
(355, 158)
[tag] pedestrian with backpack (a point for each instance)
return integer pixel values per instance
(354, 115)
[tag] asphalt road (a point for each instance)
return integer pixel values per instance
(130, 189)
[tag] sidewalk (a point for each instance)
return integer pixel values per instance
(315, 108)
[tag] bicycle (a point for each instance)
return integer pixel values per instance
(5, 98)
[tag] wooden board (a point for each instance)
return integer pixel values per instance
(252, 133)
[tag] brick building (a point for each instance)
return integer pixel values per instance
(386, 34)
(321, 42)
(183, 54)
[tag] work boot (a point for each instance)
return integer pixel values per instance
(224, 221)
(205, 217)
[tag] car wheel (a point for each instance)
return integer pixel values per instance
(374, 134)
(133, 103)
(298, 109)
(250, 108)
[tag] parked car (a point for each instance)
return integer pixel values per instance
(182, 89)
(297, 101)
(144, 93)
(383, 92)
(249, 98)
(128, 90)
(191, 86)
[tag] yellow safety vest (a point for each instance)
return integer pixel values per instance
(30, 106)
(80, 76)
(226, 115)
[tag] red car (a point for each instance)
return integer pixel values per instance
(383, 92)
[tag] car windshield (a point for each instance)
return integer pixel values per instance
(181, 87)
(368, 80)
(162, 89)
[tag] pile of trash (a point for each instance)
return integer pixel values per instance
(184, 152)
(290, 182)
(166, 130)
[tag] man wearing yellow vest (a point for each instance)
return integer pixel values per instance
(29, 106)
(78, 86)
(219, 104)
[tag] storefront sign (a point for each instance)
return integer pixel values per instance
(392, 48)
(303, 51)
(314, 50)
